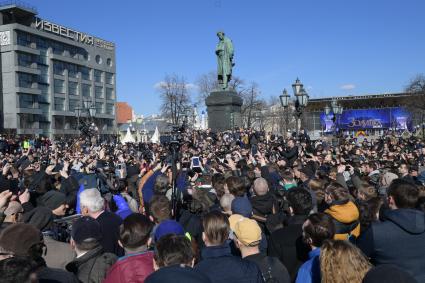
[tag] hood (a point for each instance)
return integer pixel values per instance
(410, 220)
(263, 204)
(41, 217)
(344, 213)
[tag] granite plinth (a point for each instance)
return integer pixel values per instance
(224, 110)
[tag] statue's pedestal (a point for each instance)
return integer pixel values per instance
(224, 110)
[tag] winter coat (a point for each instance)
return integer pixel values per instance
(46, 274)
(398, 240)
(177, 273)
(346, 219)
(110, 224)
(221, 267)
(131, 268)
(92, 266)
(263, 205)
(287, 245)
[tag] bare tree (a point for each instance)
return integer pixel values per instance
(208, 82)
(252, 104)
(416, 104)
(417, 88)
(175, 97)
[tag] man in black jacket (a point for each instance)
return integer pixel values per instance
(400, 238)
(286, 243)
(173, 261)
(91, 263)
(247, 237)
(92, 204)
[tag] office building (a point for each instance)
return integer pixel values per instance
(51, 74)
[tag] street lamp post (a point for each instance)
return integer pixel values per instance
(284, 102)
(301, 100)
(78, 113)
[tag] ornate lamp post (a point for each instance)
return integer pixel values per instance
(301, 100)
(284, 102)
(78, 113)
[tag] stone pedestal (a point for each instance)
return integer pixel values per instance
(224, 110)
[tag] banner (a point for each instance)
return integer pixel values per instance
(362, 119)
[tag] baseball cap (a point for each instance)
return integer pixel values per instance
(246, 230)
(86, 228)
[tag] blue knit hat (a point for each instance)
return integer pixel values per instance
(168, 227)
(242, 206)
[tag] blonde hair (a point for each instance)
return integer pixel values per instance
(342, 262)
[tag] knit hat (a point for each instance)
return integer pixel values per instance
(246, 230)
(242, 206)
(19, 238)
(167, 227)
(388, 273)
(52, 199)
(13, 208)
(85, 228)
(41, 217)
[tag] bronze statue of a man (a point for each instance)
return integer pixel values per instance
(224, 52)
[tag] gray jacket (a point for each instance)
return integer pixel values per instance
(93, 266)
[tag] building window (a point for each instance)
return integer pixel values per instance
(26, 121)
(42, 43)
(58, 48)
(59, 86)
(86, 90)
(73, 104)
(99, 108)
(59, 122)
(25, 60)
(72, 71)
(109, 78)
(98, 59)
(98, 92)
(58, 68)
(44, 89)
(44, 74)
(97, 76)
(110, 93)
(110, 108)
(24, 39)
(42, 60)
(25, 80)
(26, 101)
(72, 88)
(44, 107)
(59, 104)
(85, 73)
(109, 62)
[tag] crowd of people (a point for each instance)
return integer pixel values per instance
(235, 206)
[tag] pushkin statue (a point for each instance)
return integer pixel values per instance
(224, 52)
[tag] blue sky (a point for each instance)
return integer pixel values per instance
(336, 47)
